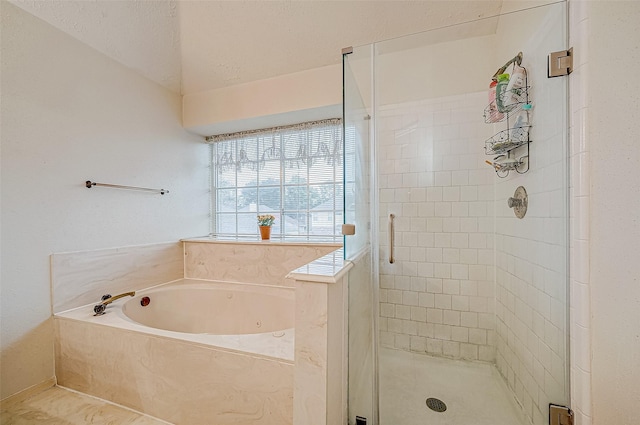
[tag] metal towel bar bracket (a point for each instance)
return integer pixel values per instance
(89, 184)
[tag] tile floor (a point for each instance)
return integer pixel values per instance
(473, 392)
(59, 406)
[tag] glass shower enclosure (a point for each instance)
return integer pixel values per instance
(458, 308)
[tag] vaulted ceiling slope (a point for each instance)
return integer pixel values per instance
(194, 46)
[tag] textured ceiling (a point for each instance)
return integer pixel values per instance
(192, 46)
(142, 35)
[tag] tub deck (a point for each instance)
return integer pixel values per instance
(275, 345)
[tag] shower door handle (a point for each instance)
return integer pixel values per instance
(391, 238)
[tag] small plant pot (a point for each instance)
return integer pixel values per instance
(265, 232)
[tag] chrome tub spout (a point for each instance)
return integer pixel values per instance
(107, 299)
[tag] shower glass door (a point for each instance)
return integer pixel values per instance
(358, 247)
(470, 320)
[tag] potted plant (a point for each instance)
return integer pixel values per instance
(265, 222)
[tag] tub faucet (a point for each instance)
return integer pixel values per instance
(99, 309)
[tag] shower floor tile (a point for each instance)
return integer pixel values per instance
(473, 392)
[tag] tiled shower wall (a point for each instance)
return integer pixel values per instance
(532, 253)
(438, 296)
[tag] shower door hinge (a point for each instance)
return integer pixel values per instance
(560, 63)
(560, 415)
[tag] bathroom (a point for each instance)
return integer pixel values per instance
(93, 118)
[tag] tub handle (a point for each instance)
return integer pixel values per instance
(100, 309)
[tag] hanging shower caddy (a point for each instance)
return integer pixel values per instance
(508, 145)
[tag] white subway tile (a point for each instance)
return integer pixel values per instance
(469, 351)
(418, 344)
(409, 327)
(451, 349)
(394, 296)
(426, 300)
(460, 240)
(443, 209)
(451, 224)
(468, 287)
(434, 315)
(387, 339)
(426, 270)
(426, 329)
(434, 194)
(478, 336)
(470, 256)
(451, 317)
(460, 178)
(394, 325)
(459, 334)
(419, 314)
(451, 287)
(403, 312)
(409, 298)
(387, 310)
(443, 240)
(460, 271)
(443, 178)
(469, 224)
(418, 254)
(434, 225)
(469, 193)
(402, 342)
(450, 194)
(460, 209)
(442, 271)
(426, 209)
(434, 346)
(443, 301)
(418, 284)
(469, 319)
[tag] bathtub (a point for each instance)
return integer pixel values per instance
(199, 352)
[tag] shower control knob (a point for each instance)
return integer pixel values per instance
(519, 202)
(513, 202)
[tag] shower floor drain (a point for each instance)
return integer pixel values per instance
(436, 405)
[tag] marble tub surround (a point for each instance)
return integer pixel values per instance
(80, 278)
(179, 381)
(320, 392)
(260, 344)
(263, 262)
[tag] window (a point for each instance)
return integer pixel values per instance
(294, 173)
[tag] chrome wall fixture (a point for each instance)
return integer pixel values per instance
(519, 202)
(391, 238)
(89, 184)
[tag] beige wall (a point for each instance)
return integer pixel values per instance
(70, 114)
(287, 99)
(613, 99)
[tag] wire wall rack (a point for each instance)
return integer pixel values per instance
(510, 146)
